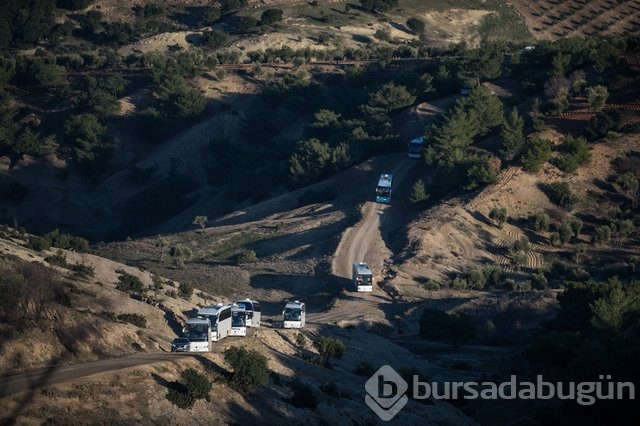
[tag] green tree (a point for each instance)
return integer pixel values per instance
(271, 16)
(193, 386)
(329, 347)
(536, 152)
(418, 192)
(541, 221)
(250, 368)
(486, 106)
(597, 97)
(185, 290)
(88, 136)
(310, 161)
(416, 25)
(612, 311)
(512, 135)
(388, 98)
(378, 5)
(179, 100)
(628, 182)
(31, 142)
(499, 215)
(211, 15)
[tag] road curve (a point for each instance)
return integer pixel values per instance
(362, 242)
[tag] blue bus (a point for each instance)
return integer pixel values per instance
(414, 150)
(383, 190)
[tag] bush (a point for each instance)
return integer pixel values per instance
(129, 283)
(416, 25)
(135, 319)
(329, 347)
(271, 16)
(58, 259)
(83, 271)
(537, 152)
(418, 192)
(193, 386)
(185, 290)
(247, 256)
(303, 396)
(249, 368)
(540, 221)
(561, 194)
(437, 324)
(38, 243)
(499, 215)
(539, 281)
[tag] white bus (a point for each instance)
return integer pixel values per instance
(198, 331)
(294, 315)
(362, 277)
(253, 311)
(414, 149)
(383, 190)
(238, 321)
(220, 317)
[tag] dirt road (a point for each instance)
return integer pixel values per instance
(362, 242)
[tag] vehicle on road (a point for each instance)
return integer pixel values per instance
(362, 277)
(383, 190)
(198, 332)
(253, 309)
(294, 315)
(238, 321)
(220, 317)
(414, 150)
(180, 344)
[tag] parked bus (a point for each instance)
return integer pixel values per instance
(383, 190)
(362, 277)
(238, 321)
(294, 315)
(253, 311)
(414, 149)
(220, 317)
(198, 331)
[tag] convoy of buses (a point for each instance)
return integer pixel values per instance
(217, 322)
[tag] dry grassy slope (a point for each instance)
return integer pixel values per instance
(453, 237)
(97, 336)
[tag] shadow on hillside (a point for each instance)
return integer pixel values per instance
(72, 338)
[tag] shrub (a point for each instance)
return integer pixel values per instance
(576, 154)
(83, 271)
(561, 194)
(129, 283)
(537, 152)
(499, 215)
(247, 256)
(329, 347)
(185, 290)
(431, 285)
(303, 396)
(249, 368)
(437, 324)
(416, 25)
(193, 386)
(459, 284)
(540, 221)
(38, 243)
(135, 319)
(494, 275)
(539, 281)
(523, 245)
(510, 284)
(418, 192)
(58, 259)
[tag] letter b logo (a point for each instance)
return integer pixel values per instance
(386, 393)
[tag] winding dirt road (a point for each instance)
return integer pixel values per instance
(362, 242)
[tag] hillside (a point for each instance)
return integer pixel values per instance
(203, 152)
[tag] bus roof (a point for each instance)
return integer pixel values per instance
(362, 268)
(196, 320)
(213, 309)
(418, 140)
(238, 308)
(385, 180)
(294, 305)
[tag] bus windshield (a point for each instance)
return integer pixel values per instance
(383, 190)
(292, 314)
(364, 279)
(195, 331)
(238, 319)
